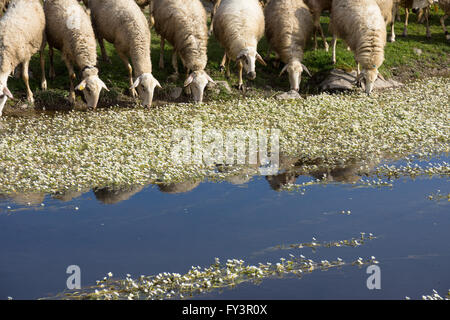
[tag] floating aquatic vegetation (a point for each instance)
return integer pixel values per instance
(413, 171)
(201, 280)
(71, 151)
(438, 196)
(434, 296)
(314, 244)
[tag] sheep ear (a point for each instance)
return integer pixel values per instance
(81, 86)
(7, 93)
(283, 70)
(381, 77)
(306, 69)
(260, 59)
(103, 85)
(136, 83)
(210, 79)
(157, 84)
(189, 80)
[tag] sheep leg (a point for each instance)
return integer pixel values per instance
(405, 29)
(228, 74)
(358, 71)
(26, 79)
(325, 43)
(315, 38)
(222, 64)
(104, 53)
(421, 15)
(151, 19)
(443, 26)
(394, 14)
(175, 65)
(392, 39)
(130, 73)
(72, 76)
(161, 54)
(211, 26)
(213, 13)
(52, 73)
(427, 15)
(42, 60)
(334, 48)
(187, 89)
(241, 82)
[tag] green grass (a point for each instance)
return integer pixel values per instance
(401, 62)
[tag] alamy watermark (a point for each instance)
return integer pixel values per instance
(211, 146)
(374, 280)
(74, 280)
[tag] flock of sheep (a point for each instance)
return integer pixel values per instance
(28, 25)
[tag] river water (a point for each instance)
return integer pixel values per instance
(169, 228)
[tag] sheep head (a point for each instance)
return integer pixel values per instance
(91, 86)
(295, 69)
(248, 57)
(4, 95)
(145, 85)
(197, 82)
(369, 76)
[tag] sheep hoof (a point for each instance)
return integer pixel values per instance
(161, 66)
(242, 88)
(222, 69)
(405, 33)
(44, 85)
(52, 75)
(133, 93)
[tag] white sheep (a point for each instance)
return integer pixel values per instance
(22, 34)
(388, 10)
(184, 25)
(289, 25)
(238, 26)
(445, 6)
(69, 30)
(362, 26)
(317, 7)
(416, 4)
(122, 23)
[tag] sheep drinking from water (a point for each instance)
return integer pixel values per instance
(122, 23)
(238, 26)
(184, 25)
